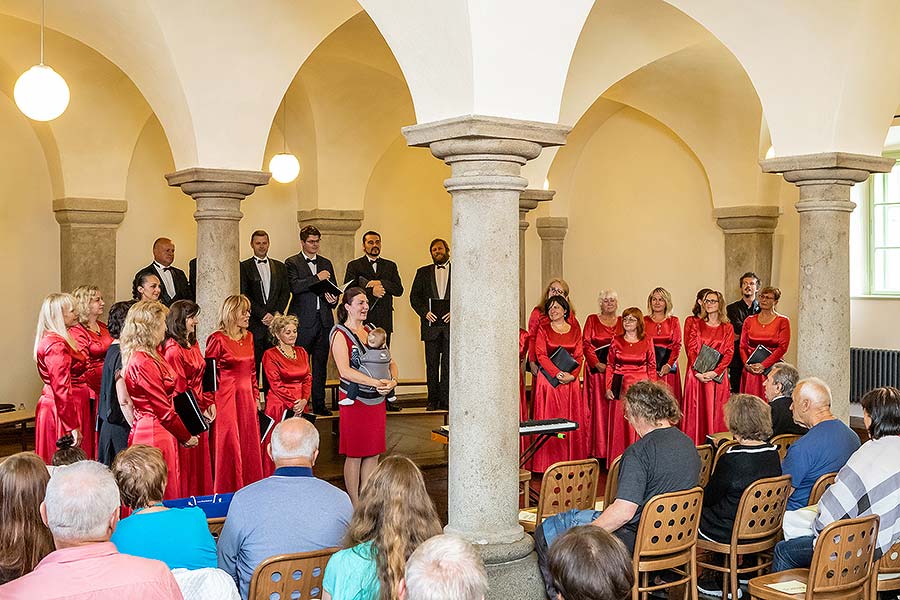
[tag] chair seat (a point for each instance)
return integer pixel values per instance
(528, 525)
(759, 585)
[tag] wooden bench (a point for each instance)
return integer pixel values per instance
(18, 419)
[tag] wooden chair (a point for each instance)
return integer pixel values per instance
(757, 528)
(783, 442)
(290, 576)
(612, 482)
(525, 487)
(887, 565)
(819, 487)
(215, 525)
(841, 566)
(667, 539)
(721, 450)
(706, 463)
(566, 485)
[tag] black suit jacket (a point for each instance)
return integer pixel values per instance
(783, 418)
(183, 289)
(424, 287)
(303, 302)
(737, 313)
(251, 286)
(381, 310)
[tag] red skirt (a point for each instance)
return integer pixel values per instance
(753, 384)
(87, 421)
(196, 468)
(362, 429)
(235, 437)
(563, 402)
(598, 404)
(621, 433)
(673, 380)
(147, 430)
(47, 426)
(704, 408)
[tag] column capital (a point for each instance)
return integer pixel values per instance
(485, 127)
(552, 228)
(332, 221)
(531, 197)
(96, 212)
(199, 182)
(747, 219)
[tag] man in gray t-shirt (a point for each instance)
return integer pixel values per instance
(291, 511)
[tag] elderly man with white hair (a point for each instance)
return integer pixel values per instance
(81, 508)
(291, 511)
(444, 567)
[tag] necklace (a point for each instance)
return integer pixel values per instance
(292, 355)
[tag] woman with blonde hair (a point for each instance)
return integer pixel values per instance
(599, 331)
(150, 382)
(93, 340)
(393, 517)
(238, 456)
(664, 329)
(57, 357)
(286, 366)
(24, 539)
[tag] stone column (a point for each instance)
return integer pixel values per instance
(218, 194)
(339, 239)
(553, 236)
(87, 242)
(486, 155)
(748, 234)
(822, 331)
(528, 200)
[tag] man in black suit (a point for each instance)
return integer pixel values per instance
(264, 281)
(313, 310)
(174, 283)
(737, 312)
(433, 282)
(779, 385)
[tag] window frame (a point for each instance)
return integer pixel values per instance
(868, 227)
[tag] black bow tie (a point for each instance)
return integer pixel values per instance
(311, 261)
(167, 269)
(263, 261)
(440, 266)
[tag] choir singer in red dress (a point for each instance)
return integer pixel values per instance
(566, 400)
(523, 354)
(690, 321)
(58, 412)
(286, 366)
(235, 437)
(599, 331)
(538, 317)
(664, 330)
(704, 399)
(184, 356)
(93, 340)
(766, 328)
(150, 382)
(631, 359)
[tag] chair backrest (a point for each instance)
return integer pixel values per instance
(721, 450)
(761, 510)
(890, 562)
(567, 485)
(783, 442)
(215, 526)
(819, 487)
(290, 576)
(668, 524)
(612, 482)
(706, 463)
(842, 559)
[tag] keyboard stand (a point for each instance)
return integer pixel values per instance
(537, 442)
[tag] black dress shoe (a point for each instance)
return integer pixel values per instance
(322, 412)
(392, 407)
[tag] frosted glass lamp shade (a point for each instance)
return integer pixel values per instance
(41, 93)
(284, 168)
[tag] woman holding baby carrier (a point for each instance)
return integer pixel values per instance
(362, 422)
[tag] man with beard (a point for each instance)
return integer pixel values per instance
(737, 312)
(432, 282)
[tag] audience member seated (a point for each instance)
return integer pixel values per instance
(588, 563)
(868, 484)
(68, 455)
(291, 511)
(177, 536)
(444, 567)
(24, 539)
(81, 508)
(753, 458)
(663, 460)
(394, 516)
(825, 448)
(779, 385)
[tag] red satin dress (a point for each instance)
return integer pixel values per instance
(635, 361)
(597, 335)
(565, 401)
(150, 382)
(235, 435)
(704, 403)
(94, 347)
(58, 411)
(362, 426)
(523, 353)
(776, 336)
(289, 381)
(195, 463)
(667, 334)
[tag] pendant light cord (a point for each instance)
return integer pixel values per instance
(284, 125)
(42, 32)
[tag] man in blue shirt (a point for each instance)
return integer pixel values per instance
(825, 448)
(291, 511)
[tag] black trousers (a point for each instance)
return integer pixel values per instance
(735, 369)
(437, 370)
(261, 343)
(113, 439)
(315, 341)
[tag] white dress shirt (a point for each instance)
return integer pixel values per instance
(374, 263)
(165, 276)
(442, 278)
(265, 275)
(314, 270)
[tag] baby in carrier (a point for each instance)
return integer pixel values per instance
(374, 362)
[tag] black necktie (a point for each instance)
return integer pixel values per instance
(264, 261)
(440, 266)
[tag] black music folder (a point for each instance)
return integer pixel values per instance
(616, 385)
(211, 376)
(708, 360)
(563, 361)
(663, 355)
(266, 423)
(602, 354)
(327, 286)
(188, 411)
(439, 307)
(289, 414)
(759, 355)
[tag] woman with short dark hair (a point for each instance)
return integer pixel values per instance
(579, 575)
(115, 411)
(770, 330)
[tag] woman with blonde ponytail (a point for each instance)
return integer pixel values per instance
(57, 356)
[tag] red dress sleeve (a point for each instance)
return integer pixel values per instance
(82, 338)
(578, 353)
(612, 362)
(146, 374)
(534, 323)
(675, 346)
(254, 376)
(273, 373)
(745, 348)
(692, 341)
(58, 362)
(541, 352)
(783, 339)
(523, 343)
(727, 349)
(215, 348)
(590, 352)
(306, 385)
(652, 370)
(173, 355)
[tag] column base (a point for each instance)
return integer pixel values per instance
(512, 570)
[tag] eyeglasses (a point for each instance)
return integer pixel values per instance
(557, 291)
(629, 319)
(711, 301)
(766, 297)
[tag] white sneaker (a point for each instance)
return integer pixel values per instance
(713, 588)
(346, 402)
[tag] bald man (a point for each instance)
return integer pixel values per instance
(174, 282)
(825, 448)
